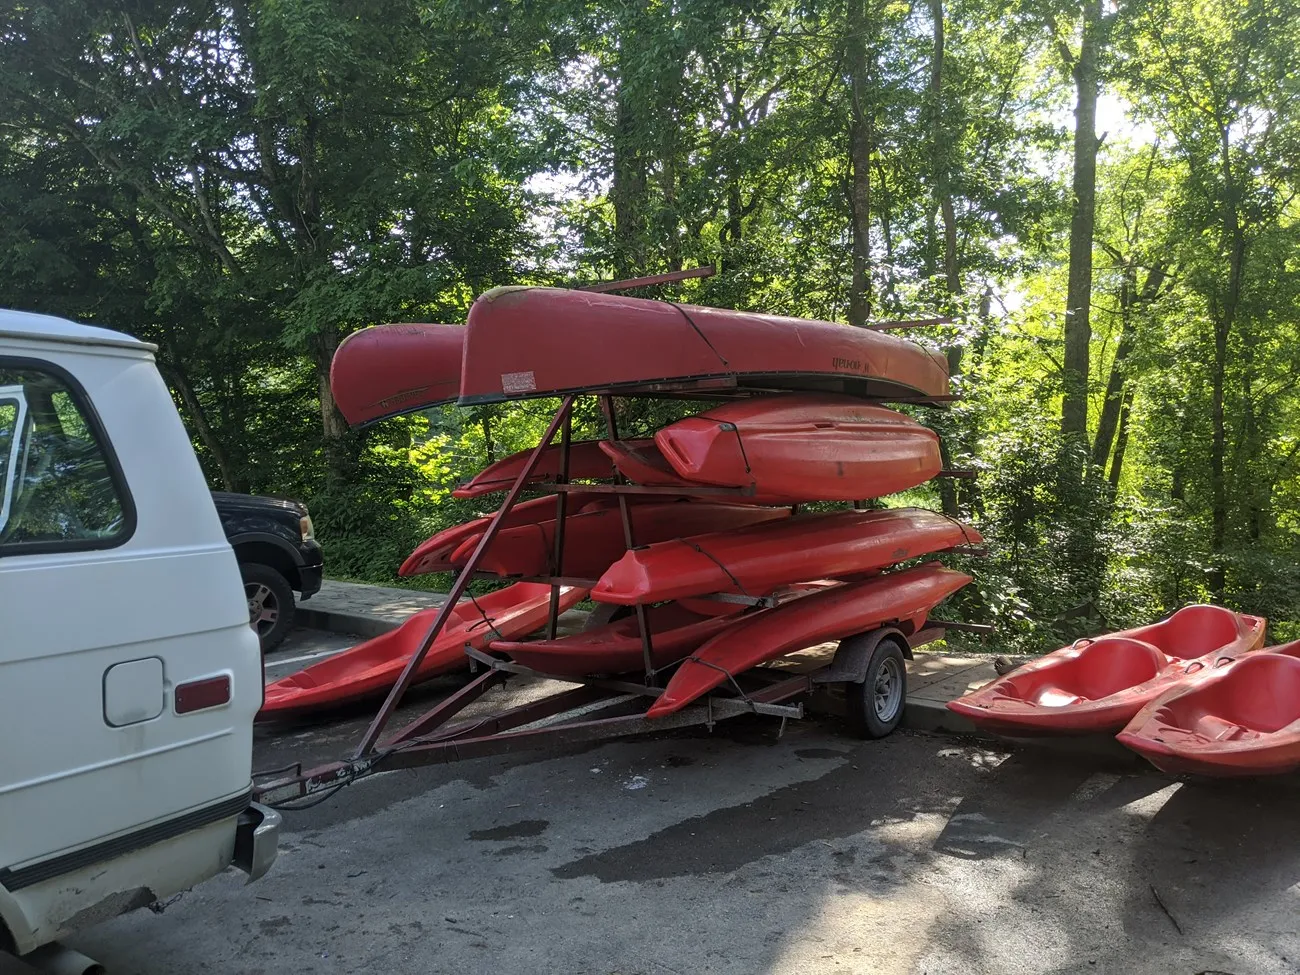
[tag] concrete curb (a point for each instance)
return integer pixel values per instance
(347, 624)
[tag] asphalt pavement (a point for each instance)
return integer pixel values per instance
(747, 851)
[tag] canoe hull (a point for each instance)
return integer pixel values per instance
(372, 668)
(905, 597)
(387, 370)
(803, 447)
(1098, 685)
(1240, 719)
(527, 342)
(756, 560)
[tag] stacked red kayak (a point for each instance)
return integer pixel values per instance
(713, 569)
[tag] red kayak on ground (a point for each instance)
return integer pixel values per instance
(386, 370)
(593, 539)
(804, 447)
(753, 561)
(587, 462)
(905, 597)
(1099, 684)
(434, 553)
(528, 342)
(373, 667)
(1242, 718)
(615, 648)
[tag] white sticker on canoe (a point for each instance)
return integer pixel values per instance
(518, 382)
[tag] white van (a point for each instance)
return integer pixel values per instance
(129, 675)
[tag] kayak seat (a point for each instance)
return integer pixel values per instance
(1194, 631)
(1259, 696)
(1102, 668)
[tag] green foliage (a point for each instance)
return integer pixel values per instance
(245, 184)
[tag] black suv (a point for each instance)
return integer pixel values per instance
(273, 541)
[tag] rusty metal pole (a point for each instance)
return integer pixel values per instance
(462, 583)
(561, 511)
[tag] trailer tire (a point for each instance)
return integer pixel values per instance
(876, 705)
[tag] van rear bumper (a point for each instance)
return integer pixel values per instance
(257, 840)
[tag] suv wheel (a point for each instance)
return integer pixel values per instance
(270, 603)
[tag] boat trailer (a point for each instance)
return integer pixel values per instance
(597, 708)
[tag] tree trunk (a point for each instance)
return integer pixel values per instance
(340, 446)
(1121, 441)
(861, 136)
(943, 202)
(628, 189)
(939, 156)
(230, 480)
(1130, 299)
(1078, 299)
(1115, 391)
(1225, 316)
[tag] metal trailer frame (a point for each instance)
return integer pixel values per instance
(596, 708)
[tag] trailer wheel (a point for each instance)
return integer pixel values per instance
(875, 706)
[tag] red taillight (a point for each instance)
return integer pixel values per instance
(198, 695)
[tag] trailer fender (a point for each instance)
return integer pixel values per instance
(849, 665)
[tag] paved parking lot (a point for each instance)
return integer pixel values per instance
(742, 852)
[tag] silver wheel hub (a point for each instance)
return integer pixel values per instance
(263, 607)
(887, 690)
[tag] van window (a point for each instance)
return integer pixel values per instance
(60, 488)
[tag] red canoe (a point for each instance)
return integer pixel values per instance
(1098, 685)
(905, 597)
(373, 667)
(587, 462)
(386, 370)
(615, 648)
(804, 447)
(593, 539)
(528, 342)
(755, 560)
(434, 553)
(1242, 718)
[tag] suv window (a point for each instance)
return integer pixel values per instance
(59, 487)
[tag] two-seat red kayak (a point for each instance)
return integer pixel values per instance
(373, 667)
(1098, 685)
(804, 447)
(594, 538)
(386, 370)
(904, 597)
(1240, 718)
(753, 561)
(527, 342)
